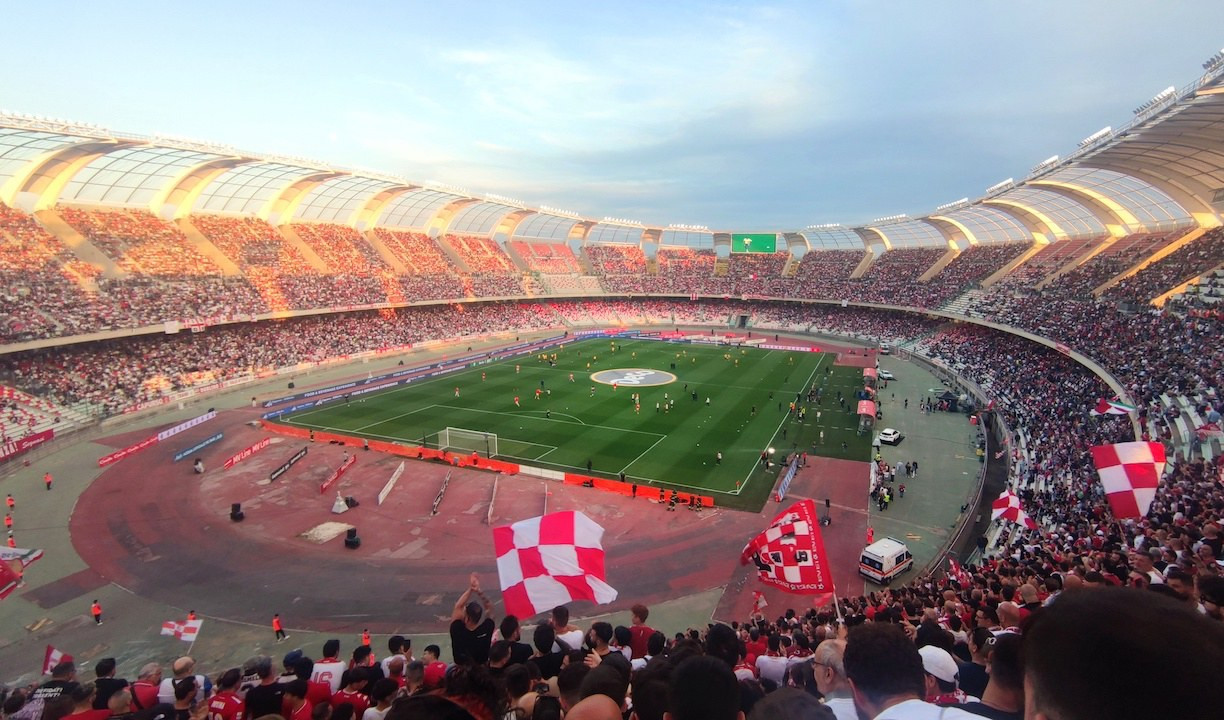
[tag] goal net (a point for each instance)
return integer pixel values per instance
(468, 441)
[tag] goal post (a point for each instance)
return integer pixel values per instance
(467, 441)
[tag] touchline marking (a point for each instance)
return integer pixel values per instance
(786, 417)
(639, 457)
(394, 417)
(522, 416)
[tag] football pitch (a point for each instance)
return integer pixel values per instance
(695, 401)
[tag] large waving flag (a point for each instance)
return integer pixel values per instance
(1130, 473)
(1007, 506)
(186, 631)
(550, 560)
(53, 657)
(790, 553)
(13, 562)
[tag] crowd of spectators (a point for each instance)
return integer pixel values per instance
(1003, 644)
(1183, 264)
(340, 247)
(140, 243)
(974, 264)
(116, 374)
(547, 258)
(616, 260)
(1119, 256)
(1045, 261)
(481, 255)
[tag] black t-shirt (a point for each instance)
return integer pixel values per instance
(549, 665)
(520, 653)
(973, 679)
(615, 659)
(264, 700)
(471, 646)
(107, 686)
(978, 708)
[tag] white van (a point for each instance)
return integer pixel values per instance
(884, 560)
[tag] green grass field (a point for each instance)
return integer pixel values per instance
(568, 427)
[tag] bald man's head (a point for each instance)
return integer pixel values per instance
(595, 707)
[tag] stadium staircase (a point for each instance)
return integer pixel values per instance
(76, 242)
(1209, 281)
(453, 255)
(1003, 271)
(312, 258)
(45, 414)
(204, 246)
(1151, 259)
(384, 252)
(961, 303)
(939, 265)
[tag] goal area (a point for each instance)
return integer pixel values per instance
(466, 441)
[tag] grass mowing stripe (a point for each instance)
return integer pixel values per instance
(785, 418)
(664, 448)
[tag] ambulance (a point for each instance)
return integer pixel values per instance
(884, 560)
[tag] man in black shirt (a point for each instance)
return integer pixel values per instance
(266, 697)
(545, 659)
(106, 682)
(471, 635)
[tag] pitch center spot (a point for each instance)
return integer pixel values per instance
(633, 377)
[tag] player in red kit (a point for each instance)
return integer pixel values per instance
(278, 628)
(516, 402)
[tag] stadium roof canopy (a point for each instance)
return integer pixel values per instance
(1162, 171)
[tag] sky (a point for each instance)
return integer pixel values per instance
(735, 116)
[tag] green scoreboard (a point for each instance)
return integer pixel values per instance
(754, 242)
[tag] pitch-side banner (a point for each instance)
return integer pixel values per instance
(247, 452)
(129, 450)
(170, 432)
(29, 442)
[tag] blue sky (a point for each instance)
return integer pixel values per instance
(730, 115)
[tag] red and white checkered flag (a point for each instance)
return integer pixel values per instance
(53, 657)
(1130, 473)
(1007, 506)
(186, 631)
(790, 554)
(546, 561)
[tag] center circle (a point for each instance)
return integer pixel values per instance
(633, 377)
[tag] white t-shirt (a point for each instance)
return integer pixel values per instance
(329, 672)
(573, 638)
(165, 691)
(772, 667)
(374, 713)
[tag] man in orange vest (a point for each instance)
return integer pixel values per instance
(278, 627)
(8, 521)
(11, 502)
(365, 637)
(191, 615)
(47, 480)
(12, 542)
(96, 610)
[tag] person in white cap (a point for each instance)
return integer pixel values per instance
(942, 674)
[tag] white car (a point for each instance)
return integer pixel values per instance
(885, 375)
(889, 436)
